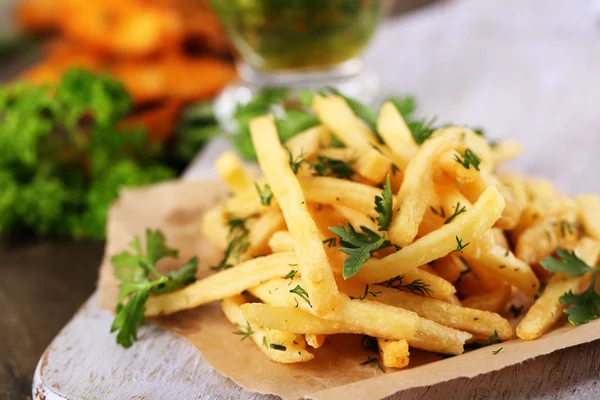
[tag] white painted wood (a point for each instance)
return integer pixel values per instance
(522, 69)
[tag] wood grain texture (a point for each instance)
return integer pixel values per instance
(42, 283)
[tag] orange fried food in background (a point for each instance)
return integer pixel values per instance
(126, 27)
(169, 51)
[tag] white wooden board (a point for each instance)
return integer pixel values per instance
(525, 69)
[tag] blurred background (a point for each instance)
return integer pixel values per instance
(98, 95)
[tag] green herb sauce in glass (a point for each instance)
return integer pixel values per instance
(299, 34)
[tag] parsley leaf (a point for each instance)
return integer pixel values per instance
(295, 163)
(586, 306)
(467, 159)
(570, 264)
(326, 166)
(358, 246)
(135, 270)
(265, 194)
(383, 206)
(238, 243)
(491, 340)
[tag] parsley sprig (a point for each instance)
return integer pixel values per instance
(359, 246)
(265, 194)
(459, 245)
(383, 206)
(244, 331)
(467, 159)
(326, 166)
(584, 306)
(139, 278)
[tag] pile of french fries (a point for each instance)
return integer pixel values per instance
(285, 289)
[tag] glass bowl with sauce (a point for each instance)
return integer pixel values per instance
(304, 44)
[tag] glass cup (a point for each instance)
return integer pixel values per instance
(298, 44)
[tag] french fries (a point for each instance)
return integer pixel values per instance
(589, 207)
(547, 309)
(468, 227)
(431, 264)
(394, 353)
(276, 345)
(227, 283)
(312, 260)
(417, 189)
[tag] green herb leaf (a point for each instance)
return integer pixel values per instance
(467, 159)
(359, 246)
(372, 360)
(299, 291)
(291, 274)
(265, 195)
(139, 278)
(585, 306)
(383, 206)
(457, 211)
(326, 166)
(417, 286)
(367, 292)
(277, 347)
(570, 264)
(459, 245)
(295, 163)
(244, 332)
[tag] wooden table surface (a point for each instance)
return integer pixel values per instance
(42, 284)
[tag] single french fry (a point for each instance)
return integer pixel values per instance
(394, 353)
(512, 211)
(247, 203)
(290, 353)
(589, 209)
(262, 229)
(345, 154)
(312, 259)
(495, 301)
(281, 241)
(417, 189)
(437, 338)
(500, 238)
(335, 113)
(232, 171)
(547, 309)
(540, 189)
(356, 218)
(315, 341)
(469, 226)
(439, 288)
(516, 186)
(396, 134)
(326, 190)
(214, 227)
(223, 284)
(481, 324)
(508, 267)
(307, 143)
(506, 150)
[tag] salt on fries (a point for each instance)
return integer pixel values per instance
(415, 245)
